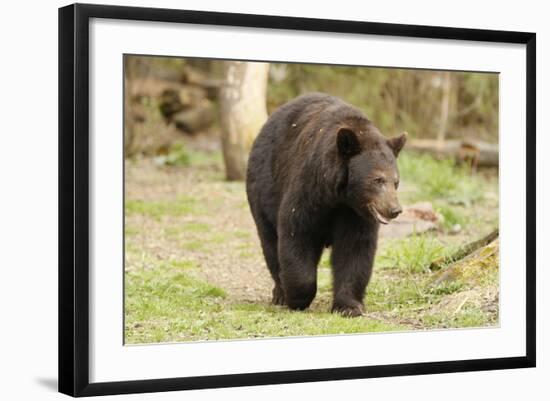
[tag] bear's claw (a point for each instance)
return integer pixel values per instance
(349, 310)
(278, 296)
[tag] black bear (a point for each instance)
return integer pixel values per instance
(321, 174)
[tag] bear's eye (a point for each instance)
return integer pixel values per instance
(396, 184)
(380, 180)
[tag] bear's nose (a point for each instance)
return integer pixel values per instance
(396, 211)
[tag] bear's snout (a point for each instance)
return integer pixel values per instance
(396, 211)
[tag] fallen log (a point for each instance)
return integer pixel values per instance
(476, 153)
(464, 251)
(474, 269)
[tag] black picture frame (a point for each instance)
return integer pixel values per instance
(74, 198)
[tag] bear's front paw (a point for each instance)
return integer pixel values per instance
(278, 296)
(347, 310)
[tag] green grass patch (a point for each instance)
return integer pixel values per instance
(446, 288)
(452, 216)
(413, 254)
(241, 234)
(440, 179)
(182, 264)
(388, 293)
(219, 237)
(325, 260)
(177, 156)
(128, 230)
(168, 304)
(195, 227)
(193, 245)
(324, 281)
(467, 317)
(247, 254)
(412, 299)
(173, 232)
(206, 241)
(163, 291)
(158, 209)
(199, 158)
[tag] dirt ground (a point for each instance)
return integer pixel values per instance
(230, 227)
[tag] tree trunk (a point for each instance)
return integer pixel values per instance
(444, 116)
(242, 112)
(129, 136)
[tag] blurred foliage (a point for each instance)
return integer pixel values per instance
(441, 179)
(177, 155)
(394, 99)
(398, 99)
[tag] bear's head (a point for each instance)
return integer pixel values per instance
(371, 174)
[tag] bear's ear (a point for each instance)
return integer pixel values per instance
(397, 143)
(348, 143)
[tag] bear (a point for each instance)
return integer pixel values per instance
(320, 174)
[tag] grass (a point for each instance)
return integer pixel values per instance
(177, 155)
(468, 318)
(197, 227)
(451, 216)
(199, 159)
(412, 300)
(167, 304)
(446, 288)
(413, 254)
(172, 242)
(156, 209)
(193, 245)
(440, 179)
(455, 193)
(182, 264)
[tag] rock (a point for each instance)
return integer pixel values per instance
(416, 218)
(456, 229)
